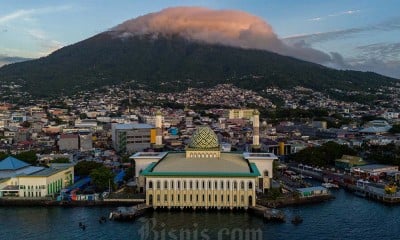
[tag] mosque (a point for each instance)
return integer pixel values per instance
(203, 176)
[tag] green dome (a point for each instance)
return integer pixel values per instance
(204, 138)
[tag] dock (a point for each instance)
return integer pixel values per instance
(268, 214)
(368, 191)
(129, 213)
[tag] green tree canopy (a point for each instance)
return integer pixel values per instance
(28, 156)
(84, 168)
(61, 160)
(324, 155)
(102, 178)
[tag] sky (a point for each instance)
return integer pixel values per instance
(354, 34)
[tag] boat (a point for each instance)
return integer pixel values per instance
(330, 185)
(360, 193)
(128, 213)
(297, 220)
(274, 215)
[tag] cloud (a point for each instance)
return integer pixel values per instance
(315, 19)
(348, 12)
(228, 27)
(5, 59)
(46, 44)
(390, 25)
(25, 13)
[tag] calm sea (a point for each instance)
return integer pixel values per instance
(346, 217)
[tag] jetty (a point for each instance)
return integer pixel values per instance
(129, 213)
(268, 214)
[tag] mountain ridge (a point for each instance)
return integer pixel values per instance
(172, 63)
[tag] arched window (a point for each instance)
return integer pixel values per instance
(266, 174)
(184, 184)
(250, 185)
(222, 184)
(203, 184)
(179, 185)
(165, 184)
(215, 185)
(191, 185)
(150, 185)
(235, 185)
(158, 184)
(209, 184)
(228, 185)
(172, 184)
(242, 185)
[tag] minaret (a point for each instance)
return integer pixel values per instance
(256, 131)
(159, 143)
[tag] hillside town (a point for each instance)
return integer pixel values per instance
(110, 124)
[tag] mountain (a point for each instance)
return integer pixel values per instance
(171, 63)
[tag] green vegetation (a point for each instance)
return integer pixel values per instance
(102, 178)
(395, 129)
(61, 160)
(28, 156)
(84, 168)
(168, 64)
(324, 155)
(386, 154)
(281, 114)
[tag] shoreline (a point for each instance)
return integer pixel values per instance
(55, 203)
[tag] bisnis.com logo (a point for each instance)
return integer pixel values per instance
(152, 230)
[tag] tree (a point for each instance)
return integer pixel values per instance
(102, 178)
(61, 160)
(324, 155)
(84, 168)
(395, 129)
(28, 156)
(25, 124)
(83, 116)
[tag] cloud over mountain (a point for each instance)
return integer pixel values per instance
(227, 27)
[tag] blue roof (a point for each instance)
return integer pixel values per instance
(119, 177)
(12, 163)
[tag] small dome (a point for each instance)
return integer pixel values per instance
(204, 138)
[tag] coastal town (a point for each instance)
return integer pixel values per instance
(47, 138)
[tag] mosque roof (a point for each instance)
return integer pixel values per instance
(228, 165)
(204, 138)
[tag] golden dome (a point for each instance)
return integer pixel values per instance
(204, 138)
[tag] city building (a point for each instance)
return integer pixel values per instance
(240, 113)
(20, 179)
(131, 137)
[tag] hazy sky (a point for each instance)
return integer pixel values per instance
(363, 35)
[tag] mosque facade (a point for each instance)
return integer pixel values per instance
(202, 176)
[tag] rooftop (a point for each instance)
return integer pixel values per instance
(11, 163)
(127, 126)
(230, 164)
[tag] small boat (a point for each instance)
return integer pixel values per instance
(297, 220)
(128, 213)
(360, 193)
(330, 185)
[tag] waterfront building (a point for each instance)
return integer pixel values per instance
(202, 176)
(20, 179)
(347, 162)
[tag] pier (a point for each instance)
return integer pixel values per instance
(129, 213)
(366, 190)
(268, 214)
